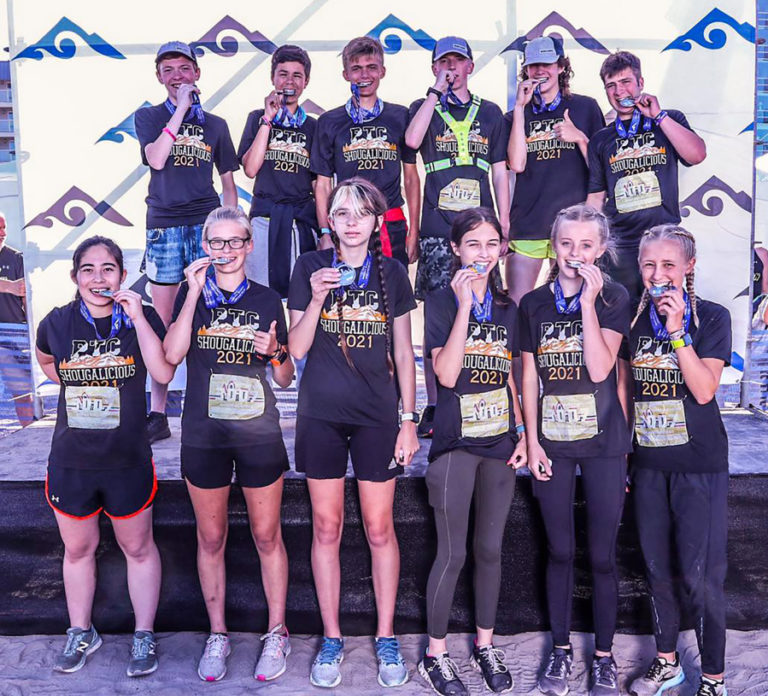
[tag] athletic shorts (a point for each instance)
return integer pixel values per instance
(254, 466)
(435, 269)
(83, 493)
(533, 248)
(397, 230)
(169, 251)
(323, 447)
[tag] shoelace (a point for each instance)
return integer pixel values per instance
(215, 645)
(388, 650)
(605, 674)
(556, 666)
(329, 652)
(447, 667)
(73, 642)
(142, 647)
(654, 671)
(707, 688)
(495, 658)
(273, 643)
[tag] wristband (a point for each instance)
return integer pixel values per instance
(660, 117)
(520, 428)
(264, 121)
(279, 356)
(169, 132)
(682, 342)
(409, 416)
(676, 335)
(436, 92)
(325, 230)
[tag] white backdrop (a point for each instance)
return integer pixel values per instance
(80, 74)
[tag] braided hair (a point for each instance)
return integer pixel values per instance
(364, 199)
(687, 243)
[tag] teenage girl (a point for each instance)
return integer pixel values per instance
(99, 348)
(571, 329)
(229, 329)
(476, 445)
(678, 347)
(350, 315)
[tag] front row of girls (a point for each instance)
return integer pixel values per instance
(349, 315)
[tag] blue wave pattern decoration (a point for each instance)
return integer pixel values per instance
(712, 39)
(67, 48)
(386, 31)
(127, 126)
(557, 21)
(748, 129)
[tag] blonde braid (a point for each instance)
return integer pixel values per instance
(644, 300)
(692, 297)
(553, 271)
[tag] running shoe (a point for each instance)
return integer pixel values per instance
(276, 648)
(554, 680)
(489, 661)
(81, 642)
(442, 674)
(392, 669)
(661, 675)
(157, 426)
(325, 669)
(426, 422)
(213, 663)
(710, 687)
(143, 654)
(604, 677)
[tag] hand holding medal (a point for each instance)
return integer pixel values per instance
(593, 283)
(195, 274)
(322, 281)
(272, 104)
(648, 105)
(672, 305)
(462, 286)
(130, 301)
(525, 92)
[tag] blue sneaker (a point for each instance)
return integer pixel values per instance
(392, 669)
(325, 669)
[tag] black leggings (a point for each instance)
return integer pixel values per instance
(604, 482)
(452, 480)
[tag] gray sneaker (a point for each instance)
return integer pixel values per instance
(392, 669)
(80, 643)
(276, 648)
(604, 677)
(325, 669)
(213, 663)
(554, 680)
(710, 687)
(143, 656)
(661, 675)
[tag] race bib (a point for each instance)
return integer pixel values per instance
(484, 415)
(637, 192)
(231, 397)
(459, 195)
(93, 408)
(569, 417)
(660, 423)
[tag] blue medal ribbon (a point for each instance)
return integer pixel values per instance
(539, 106)
(659, 329)
(560, 304)
(196, 110)
(361, 283)
(621, 129)
(450, 96)
(214, 297)
(119, 317)
(482, 310)
(285, 119)
(356, 112)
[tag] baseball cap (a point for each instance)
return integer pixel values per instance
(451, 44)
(544, 49)
(175, 47)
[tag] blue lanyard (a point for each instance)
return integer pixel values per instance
(196, 110)
(633, 126)
(539, 106)
(365, 273)
(659, 329)
(562, 308)
(286, 119)
(213, 296)
(118, 318)
(482, 310)
(450, 96)
(356, 112)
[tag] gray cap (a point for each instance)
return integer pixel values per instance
(175, 47)
(544, 49)
(451, 44)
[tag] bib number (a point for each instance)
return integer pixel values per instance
(93, 408)
(569, 417)
(459, 195)
(485, 414)
(660, 423)
(232, 397)
(637, 192)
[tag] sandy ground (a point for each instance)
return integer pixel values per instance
(25, 665)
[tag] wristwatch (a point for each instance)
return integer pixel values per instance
(409, 416)
(682, 342)
(279, 356)
(436, 92)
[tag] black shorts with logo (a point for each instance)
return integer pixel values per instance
(254, 466)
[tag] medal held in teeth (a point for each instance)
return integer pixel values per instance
(574, 263)
(659, 290)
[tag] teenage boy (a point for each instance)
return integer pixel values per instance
(550, 130)
(463, 143)
(274, 150)
(366, 137)
(181, 143)
(633, 164)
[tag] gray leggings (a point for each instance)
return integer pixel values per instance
(453, 479)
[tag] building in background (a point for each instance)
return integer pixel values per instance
(7, 142)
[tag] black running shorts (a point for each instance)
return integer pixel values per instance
(255, 466)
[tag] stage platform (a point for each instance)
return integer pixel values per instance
(31, 552)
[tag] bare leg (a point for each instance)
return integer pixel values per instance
(80, 537)
(163, 298)
(521, 273)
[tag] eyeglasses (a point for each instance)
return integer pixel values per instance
(234, 243)
(343, 215)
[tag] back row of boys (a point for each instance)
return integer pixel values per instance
(557, 142)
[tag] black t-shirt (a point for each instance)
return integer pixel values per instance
(639, 177)
(448, 191)
(101, 420)
(758, 271)
(673, 432)
(476, 415)
(11, 268)
(372, 150)
(577, 417)
(284, 176)
(228, 400)
(330, 389)
(182, 193)
(556, 173)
